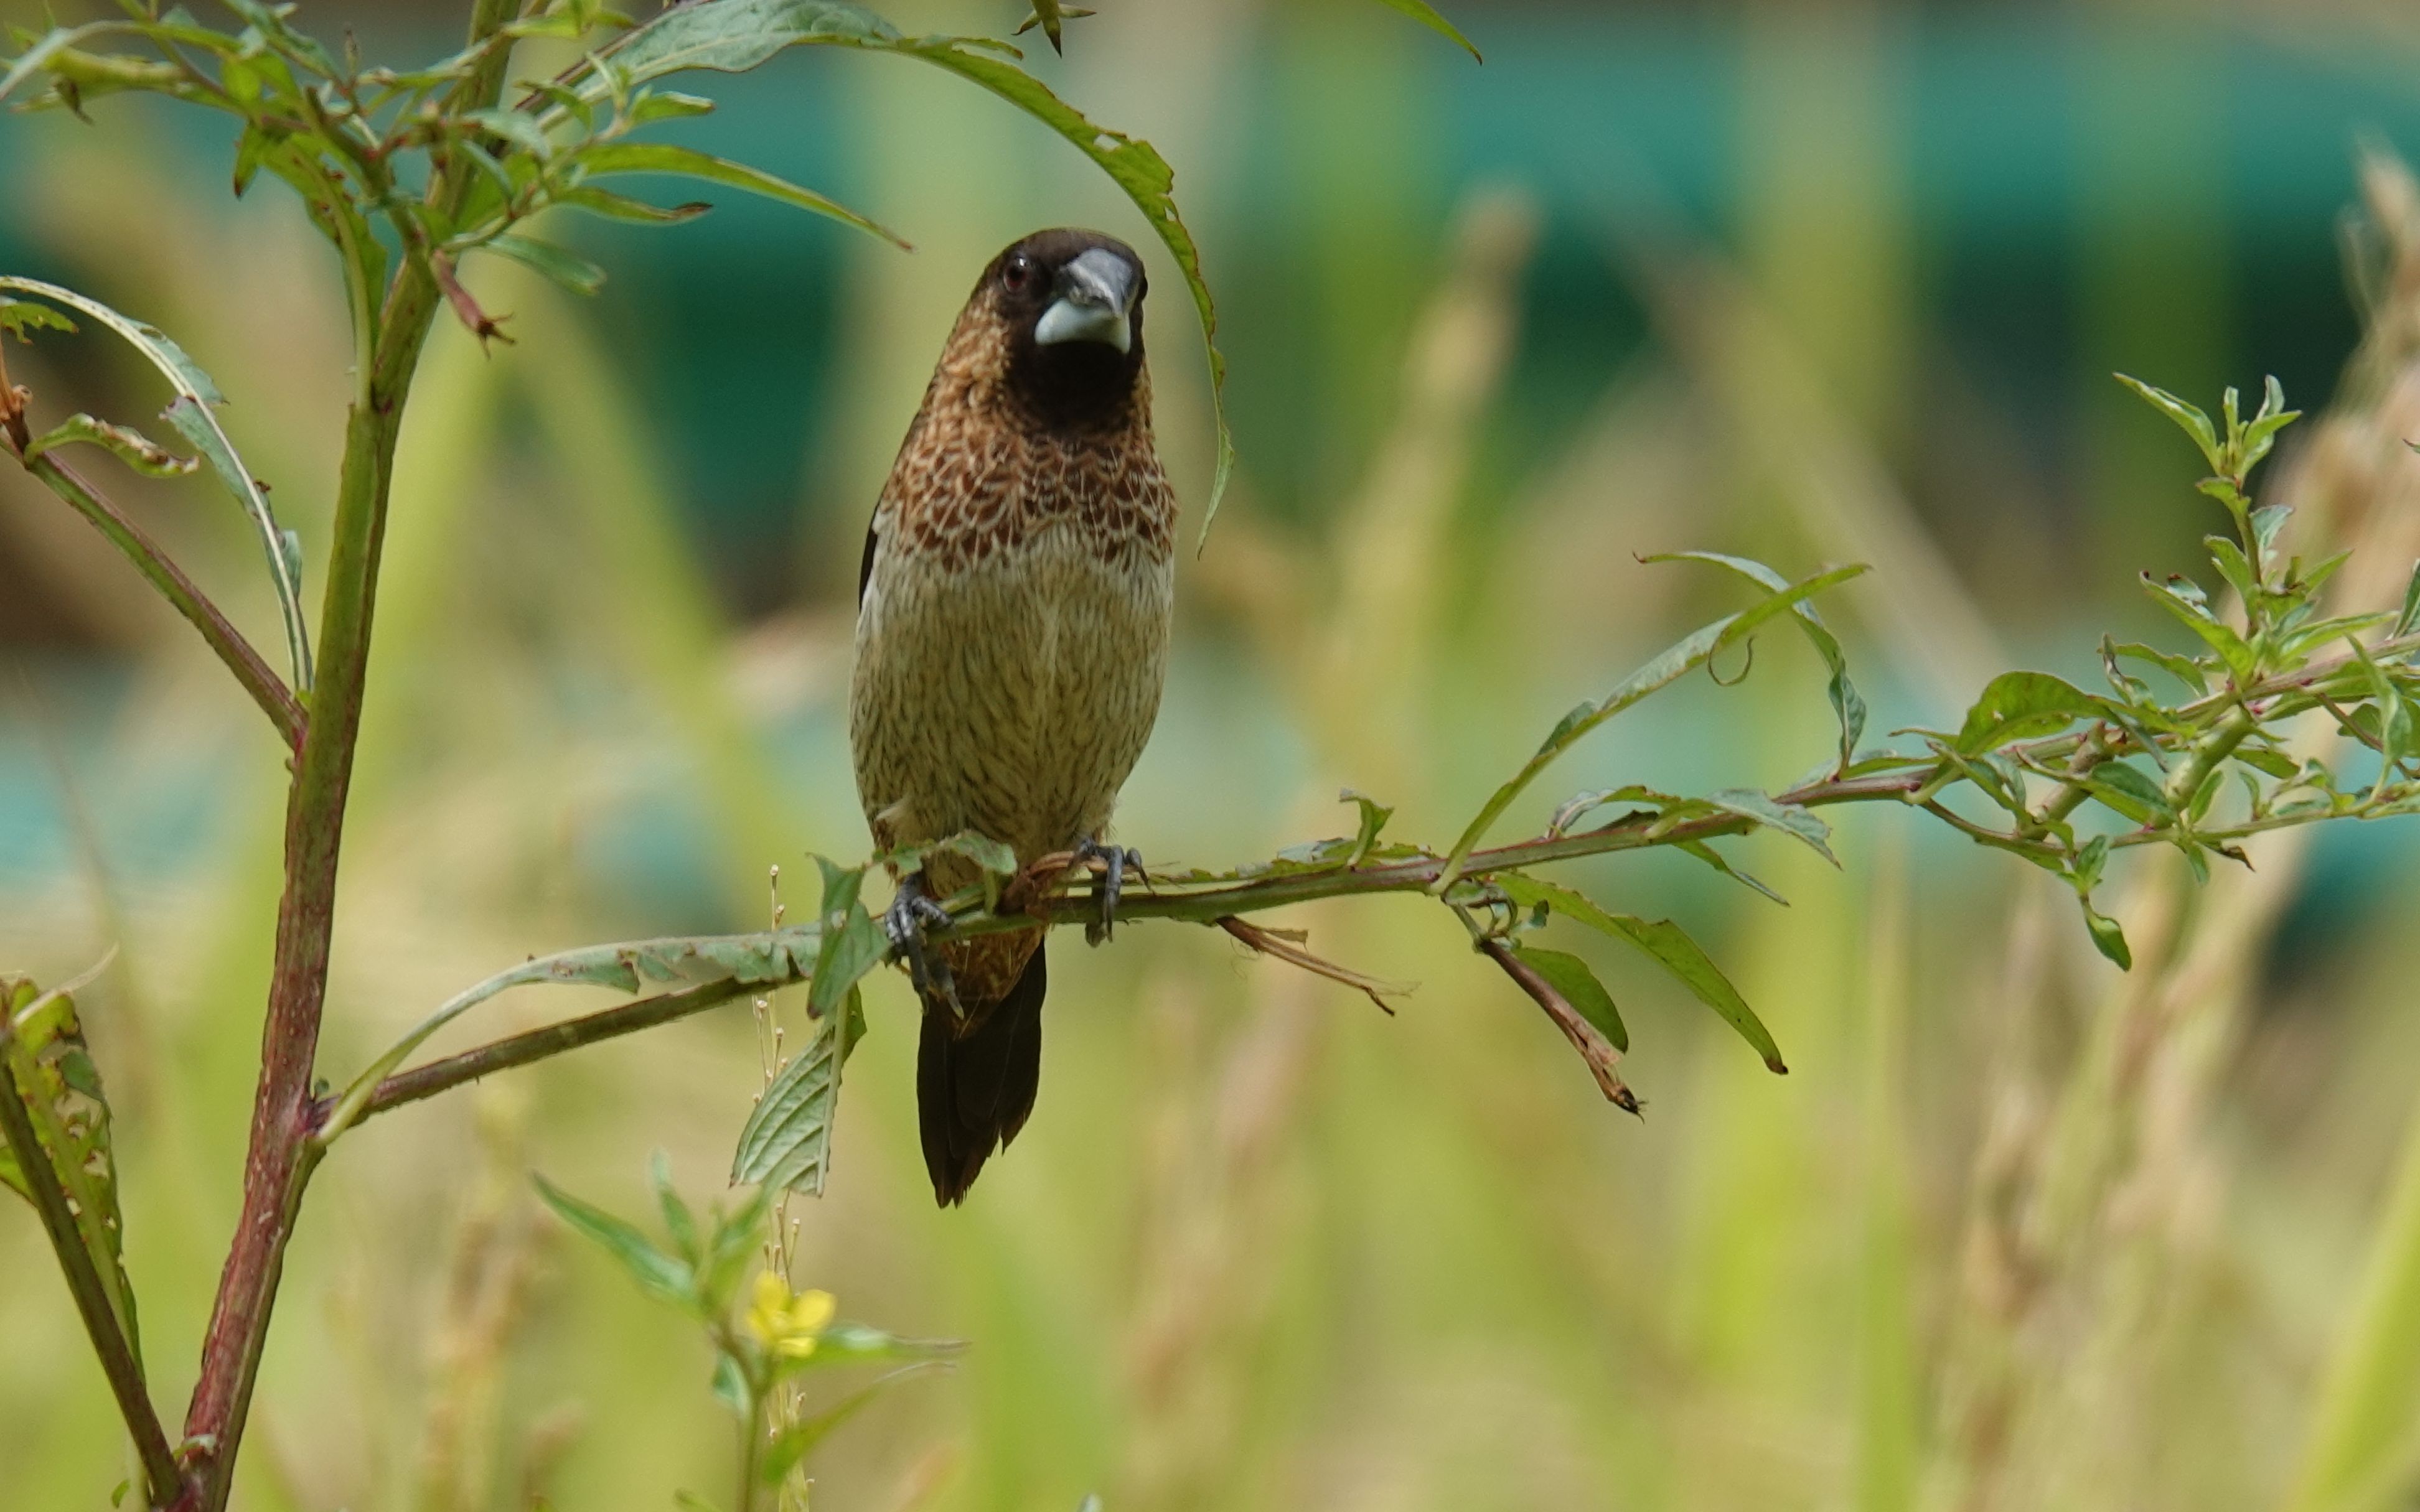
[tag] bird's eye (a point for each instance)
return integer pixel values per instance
(1018, 273)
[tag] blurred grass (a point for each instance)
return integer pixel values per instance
(1263, 1248)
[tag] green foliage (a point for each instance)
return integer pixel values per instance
(787, 1140)
(762, 1342)
(194, 413)
(49, 1069)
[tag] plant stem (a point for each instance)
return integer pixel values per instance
(281, 1154)
(85, 1283)
(539, 1044)
(267, 688)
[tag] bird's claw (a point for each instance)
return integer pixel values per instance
(1114, 865)
(910, 922)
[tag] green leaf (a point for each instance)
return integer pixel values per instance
(1664, 943)
(730, 1248)
(192, 415)
(855, 1343)
(1426, 15)
(2022, 706)
(678, 1221)
(850, 947)
(1715, 859)
(21, 319)
(2261, 434)
(2183, 669)
(2395, 732)
(614, 206)
(1052, 18)
(787, 1140)
(566, 269)
(660, 157)
(772, 957)
(1676, 662)
(1374, 822)
(1570, 976)
(1791, 820)
(2185, 600)
(2190, 420)
(801, 1438)
(2127, 790)
(2240, 575)
(658, 1274)
(46, 1063)
(128, 445)
(2107, 937)
(733, 36)
(520, 128)
(2409, 620)
(1847, 704)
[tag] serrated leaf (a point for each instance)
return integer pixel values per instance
(658, 1274)
(1426, 15)
(1664, 943)
(45, 1062)
(786, 1143)
(21, 319)
(566, 269)
(1570, 976)
(2022, 706)
(128, 445)
(662, 157)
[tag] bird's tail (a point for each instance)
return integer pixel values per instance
(975, 1085)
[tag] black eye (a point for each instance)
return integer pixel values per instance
(1018, 273)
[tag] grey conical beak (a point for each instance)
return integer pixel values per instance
(1095, 302)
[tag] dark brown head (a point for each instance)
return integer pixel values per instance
(1069, 303)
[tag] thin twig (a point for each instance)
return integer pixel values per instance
(539, 1044)
(267, 688)
(101, 1322)
(1593, 1047)
(1269, 942)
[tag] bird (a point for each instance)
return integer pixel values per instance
(1013, 609)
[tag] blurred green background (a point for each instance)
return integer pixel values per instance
(1805, 280)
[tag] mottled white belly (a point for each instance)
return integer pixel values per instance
(1011, 696)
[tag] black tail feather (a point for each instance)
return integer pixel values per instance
(974, 1091)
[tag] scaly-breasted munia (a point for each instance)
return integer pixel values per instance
(1011, 638)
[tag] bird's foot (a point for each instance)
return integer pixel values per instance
(1111, 882)
(910, 922)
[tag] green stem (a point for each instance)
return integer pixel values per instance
(2211, 750)
(85, 1284)
(282, 1155)
(267, 688)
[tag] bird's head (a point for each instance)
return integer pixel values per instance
(1069, 306)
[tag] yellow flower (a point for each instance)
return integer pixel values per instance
(787, 1324)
